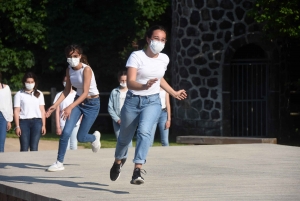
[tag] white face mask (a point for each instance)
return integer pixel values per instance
(73, 61)
(156, 46)
(64, 83)
(123, 84)
(29, 86)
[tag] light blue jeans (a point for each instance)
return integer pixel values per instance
(164, 133)
(89, 109)
(117, 131)
(139, 112)
(72, 142)
(3, 124)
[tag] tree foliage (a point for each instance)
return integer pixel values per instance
(278, 18)
(22, 31)
(33, 35)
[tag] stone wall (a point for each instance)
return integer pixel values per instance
(205, 36)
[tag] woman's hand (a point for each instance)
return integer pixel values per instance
(119, 121)
(150, 83)
(58, 131)
(50, 110)
(18, 132)
(167, 125)
(43, 130)
(66, 113)
(8, 126)
(180, 95)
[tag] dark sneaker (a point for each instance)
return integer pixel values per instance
(136, 177)
(115, 170)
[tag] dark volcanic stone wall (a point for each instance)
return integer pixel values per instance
(205, 36)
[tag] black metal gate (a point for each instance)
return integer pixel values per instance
(249, 98)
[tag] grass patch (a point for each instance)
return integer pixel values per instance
(108, 140)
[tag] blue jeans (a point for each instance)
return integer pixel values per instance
(31, 131)
(141, 112)
(164, 133)
(3, 124)
(117, 131)
(72, 142)
(89, 109)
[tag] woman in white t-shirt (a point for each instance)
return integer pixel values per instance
(164, 121)
(116, 102)
(29, 113)
(6, 112)
(60, 123)
(86, 104)
(142, 106)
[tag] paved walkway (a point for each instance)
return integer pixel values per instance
(203, 172)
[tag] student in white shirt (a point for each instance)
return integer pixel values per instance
(86, 104)
(29, 113)
(164, 121)
(6, 112)
(145, 71)
(60, 123)
(116, 102)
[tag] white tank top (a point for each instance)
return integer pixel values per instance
(76, 78)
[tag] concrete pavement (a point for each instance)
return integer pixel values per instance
(202, 172)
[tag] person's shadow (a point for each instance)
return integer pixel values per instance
(50, 180)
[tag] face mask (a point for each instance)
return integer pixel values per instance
(123, 85)
(156, 46)
(64, 83)
(73, 61)
(29, 86)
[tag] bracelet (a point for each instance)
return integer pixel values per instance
(17, 127)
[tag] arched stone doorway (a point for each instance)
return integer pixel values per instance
(249, 84)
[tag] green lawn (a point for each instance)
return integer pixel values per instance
(108, 140)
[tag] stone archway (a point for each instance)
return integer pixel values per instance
(241, 108)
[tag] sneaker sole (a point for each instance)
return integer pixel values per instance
(59, 169)
(137, 181)
(95, 150)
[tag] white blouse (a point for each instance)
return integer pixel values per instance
(6, 103)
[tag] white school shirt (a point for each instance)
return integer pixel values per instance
(76, 78)
(6, 103)
(29, 104)
(65, 103)
(148, 68)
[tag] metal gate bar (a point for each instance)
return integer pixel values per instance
(249, 104)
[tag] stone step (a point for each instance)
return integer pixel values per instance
(222, 140)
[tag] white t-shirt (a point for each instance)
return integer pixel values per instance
(65, 103)
(122, 98)
(162, 95)
(148, 68)
(6, 103)
(29, 104)
(76, 78)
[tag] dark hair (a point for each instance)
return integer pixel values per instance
(0, 77)
(122, 73)
(149, 32)
(72, 48)
(33, 76)
(84, 59)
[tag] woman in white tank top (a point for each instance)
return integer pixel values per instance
(86, 103)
